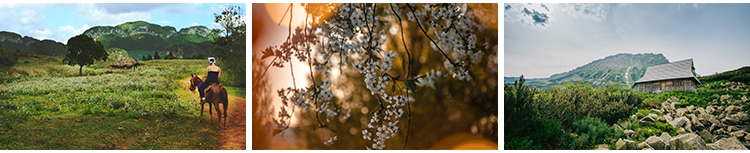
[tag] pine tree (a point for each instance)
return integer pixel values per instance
(156, 56)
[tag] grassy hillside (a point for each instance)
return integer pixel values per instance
(44, 105)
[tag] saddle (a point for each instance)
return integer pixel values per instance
(208, 88)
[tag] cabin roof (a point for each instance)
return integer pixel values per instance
(674, 70)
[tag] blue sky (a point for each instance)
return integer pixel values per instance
(61, 21)
(545, 39)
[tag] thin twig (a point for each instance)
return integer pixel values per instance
(428, 36)
(287, 10)
(408, 107)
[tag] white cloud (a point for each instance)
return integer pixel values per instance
(97, 16)
(534, 15)
(590, 11)
(194, 24)
(166, 22)
(66, 32)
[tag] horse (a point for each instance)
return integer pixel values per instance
(215, 95)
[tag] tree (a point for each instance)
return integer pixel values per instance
(230, 47)
(149, 57)
(156, 56)
(82, 50)
(143, 57)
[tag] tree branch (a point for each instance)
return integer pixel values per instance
(428, 36)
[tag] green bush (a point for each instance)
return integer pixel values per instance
(573, 101)
(589, 131)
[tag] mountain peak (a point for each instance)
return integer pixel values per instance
(622, 68)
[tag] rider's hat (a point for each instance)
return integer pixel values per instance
(211, 60)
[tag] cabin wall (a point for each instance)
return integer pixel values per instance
(666, 85)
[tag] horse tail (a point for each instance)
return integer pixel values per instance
(224, 96)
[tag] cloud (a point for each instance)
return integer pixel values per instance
(166, 22)
(194, 24)
(534, 15)
(589, 11)
(97, 16)
(66, 32)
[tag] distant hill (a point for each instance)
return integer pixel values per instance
(622, 68)
(144, 36)
(739, 75)
(14, 42)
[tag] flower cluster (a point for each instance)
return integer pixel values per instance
(429, 79)
(330, 141)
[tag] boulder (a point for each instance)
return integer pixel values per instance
(666, 119)
(710, 110)
(697, 125)
(643, 146)
(730, 109)
(602, 147)
(647, 120)
(681, 131)
(657, 143)
(689, 141)
(629, 133)
(700, 110)
(623, 144)
(711, 147)
(633, 117)
(680, 122)
(725, 97)
(707, 136)
(665, 137)
(680, 112)
(731, 143)
(741, 135)
(690, 109)
(617, 127)
(732, 128)
(720, 131)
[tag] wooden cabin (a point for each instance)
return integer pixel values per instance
(679, 75)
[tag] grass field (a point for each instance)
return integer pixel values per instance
(45, 105)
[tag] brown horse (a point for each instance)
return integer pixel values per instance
(215, 95)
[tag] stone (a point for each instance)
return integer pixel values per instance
(741, 135)
(680, 112)
(633, 117)
(629, 133)
(690, 109)
(666, 119)
(731, 143)
(707, 136)
(624, 144)
(658, 143)
(602, 147)
(732, 128)
(710, 110)
(665, 137)
(711, 147)
(617, 127)
(644, 146)
(697, 125)
(725, 97)
(689, 141)
(681, 131)
(680, 122)
(730, 109)
(720, 131)
(647, 120)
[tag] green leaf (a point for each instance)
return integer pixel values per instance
(277, 131)
(411, 85)
(403, 66)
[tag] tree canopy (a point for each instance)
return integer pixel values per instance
(82, 50)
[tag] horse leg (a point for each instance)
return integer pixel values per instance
(201, 119)
(225, 113)
(218, 112)
(210, 113)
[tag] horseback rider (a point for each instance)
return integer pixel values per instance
(213, 73)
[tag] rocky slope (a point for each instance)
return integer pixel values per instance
(723, 125)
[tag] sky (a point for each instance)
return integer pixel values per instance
(545, 39)
(61, 21)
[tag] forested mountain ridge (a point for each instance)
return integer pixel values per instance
(622, 68)
(142, 36)
(24, 44)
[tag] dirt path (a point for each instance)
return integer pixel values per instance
(233, 137)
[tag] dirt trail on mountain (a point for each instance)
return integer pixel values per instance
(233, 136)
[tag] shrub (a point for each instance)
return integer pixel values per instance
(573, 101)
(589, 131)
